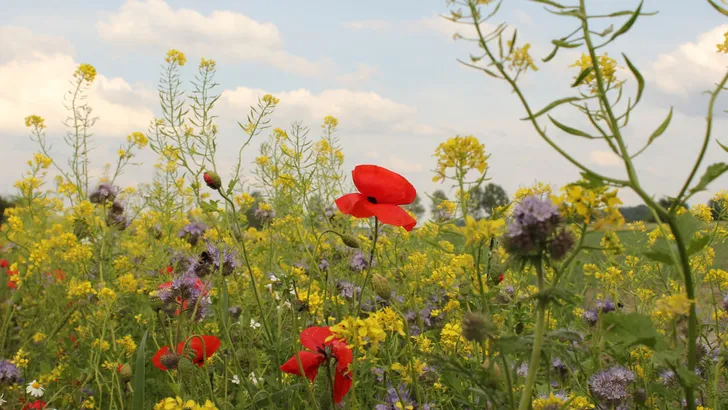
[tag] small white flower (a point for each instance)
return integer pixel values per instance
(34, 389)
(254, 324)
(235, 379)
(2, 400)
(253, 379)
(273, 278)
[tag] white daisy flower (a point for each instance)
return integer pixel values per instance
(253, 379)
(235, 379)
(2, 400)
(254, 324)
(34, 389)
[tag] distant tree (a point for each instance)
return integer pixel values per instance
(416, 207)
(492, 197)
(636, 213)
(5, 203)
(437, 197)
(667, 203)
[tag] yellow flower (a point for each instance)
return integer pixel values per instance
(521, 59)
(35, 121)
(668, 307)
(85, 72)
(607, 67)
(270, 100)
(207, 65)
(460, 154)
(138, 138)
(723, 47)
(175, 57)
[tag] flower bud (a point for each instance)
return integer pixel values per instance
(170, 360)
(212, 180)
(381, 286)
(124, 372)
(476, 327)
(350, 241)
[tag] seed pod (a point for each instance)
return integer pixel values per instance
(476, 327)
(350, 241)
(125, 372)
(381, 286)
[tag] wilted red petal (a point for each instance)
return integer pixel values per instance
(343, 356)
(157, 359)
(393, 215)
(354, 205)
(212, 343)
(385, 186)
(310, 362)
(342, 384)
(165, 285)
(314, 337)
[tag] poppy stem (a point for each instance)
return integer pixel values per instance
(368, 278)
(331, 385)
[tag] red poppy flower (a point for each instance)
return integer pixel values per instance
(211, 344)
(12, 285)
(3, 263)
(319, 350)
(500, 278)
(38, 404)
(168, 270)
(381, 191)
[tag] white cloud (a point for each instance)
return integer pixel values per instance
(39, 84)
(403, 166)
(358, 111)
(153, 23)
(371, 154)
(18, 43)
(522, 16)
(692, 66)
(360, 76)
(604, 158)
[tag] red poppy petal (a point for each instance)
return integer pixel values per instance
(342, 384)
(314, 337)
(393, 215)
(310, 362)
(343, 356)
(385, 186)
(157, 359)
(165, 285)
(354, 205)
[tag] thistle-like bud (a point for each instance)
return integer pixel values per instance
(170, 360)
(476, 327)
(350, 241)
(124, 372)
(381, 286)
(212, 180)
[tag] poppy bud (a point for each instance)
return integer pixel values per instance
(124, 371)
(350, 241)
(476, 327)
(170, 360)
(381, 286)
(212, 180)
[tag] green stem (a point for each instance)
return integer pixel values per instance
(538, 338)
(368, 278)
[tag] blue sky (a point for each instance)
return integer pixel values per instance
(387, 70)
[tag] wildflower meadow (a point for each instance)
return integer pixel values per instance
(294, 282)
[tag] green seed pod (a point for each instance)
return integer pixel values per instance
(381, 286)
(476, 327)
(125, 372)
(350, 241)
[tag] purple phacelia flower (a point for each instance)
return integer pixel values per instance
(323, 265)
(610, 386)
(264, 215)
(192, 232)
(347, 289)
(215, 259)
(606, 306)
(591, 316)
(103, 193)
(358, 261)
(9, 373)
(534, 221)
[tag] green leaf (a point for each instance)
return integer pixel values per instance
(572, 131)
(563, 43)
(688, 225)
(718, 8)
(513, 41)
(661, 129)
(659, 256)
(139, 381)
(551, 55)
(714, 171)
(281, 394)
(628, 24)
(550, 3)
(697, 244)
(632, 329)
(592, 181)
(687, 378)
(551, 107)
(582, 75)
(556, 295)
(607, 30)
(637, 75)
(725, 148)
